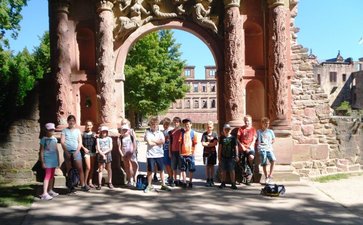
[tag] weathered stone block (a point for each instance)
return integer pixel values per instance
(320, 152)
(283, 150)
(307, 130)
(301, 152)
(331, 169)
(355, 167)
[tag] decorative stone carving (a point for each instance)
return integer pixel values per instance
(275, 3)
(278, 81)
(201, 15)
(231, 3)
(104, 51)
(131, 18)
(62, 66)
(234, 66)
(180, 6)
(159, 14)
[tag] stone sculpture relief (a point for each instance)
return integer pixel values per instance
(131, 18)
(131, 14)
(201, 15)
(156, 10)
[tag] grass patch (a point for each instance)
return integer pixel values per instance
(333, 177)
(17, 195)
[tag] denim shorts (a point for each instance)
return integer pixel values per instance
(187, 163)
(228, 164)
(76, 157)
(175, 160)
(153, 163)
(264, 155)
(167, 160)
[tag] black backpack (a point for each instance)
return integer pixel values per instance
(273, 190)
(73, 177)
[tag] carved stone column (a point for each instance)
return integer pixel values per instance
(234, 63)
(61, 59)
(279, 86)
(105, 64)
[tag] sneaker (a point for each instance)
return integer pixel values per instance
(98, 187)
(148, 189)
(53, 193)
(165, 188)
(183, 185)
(268, 180)
(46, 197)
(110, 186)
(91, 185)
(223, 185)
(85, 188)
(211, 182)
(234, 187)
(190, 185)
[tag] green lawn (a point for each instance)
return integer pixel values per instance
(17, 195)
(328, 178)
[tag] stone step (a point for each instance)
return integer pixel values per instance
(283, 173)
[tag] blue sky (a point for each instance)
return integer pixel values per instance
(326, 26)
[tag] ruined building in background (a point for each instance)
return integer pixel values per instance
(341, 79)
(200, 102)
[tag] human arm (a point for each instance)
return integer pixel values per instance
(79, 145)
(41, 155)
(98, 148)
(64, 147)
(119, 145)
(219, 152)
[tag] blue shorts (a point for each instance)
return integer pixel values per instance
(228, 164)
(153, 163)
(76, 157)
(187, 163)
(166, 159)
(175, 160)
(264, 155)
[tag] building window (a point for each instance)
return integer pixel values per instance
(204, 88)
(179, 104)
(333, 77)
(318, 79)
(212, 73)
(212, 88)
(187, 73)
(213, 104)
(204, 104)
(195, 87)
(187, 103)
(196, 104)
(344, 77)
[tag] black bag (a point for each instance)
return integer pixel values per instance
(73, 178)
(38, 171)
(273, 190)
(141, 182)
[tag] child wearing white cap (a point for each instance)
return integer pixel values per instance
(104, 148)
(50, 160)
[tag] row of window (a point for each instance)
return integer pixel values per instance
(204, 87)
(197, 104)
(211, 72)
(332, 77)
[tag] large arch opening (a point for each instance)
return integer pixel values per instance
(212, 42)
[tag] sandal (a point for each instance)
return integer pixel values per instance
(91, 186)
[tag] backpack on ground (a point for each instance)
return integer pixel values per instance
(273, 190)
(141, 182)
(73, 176)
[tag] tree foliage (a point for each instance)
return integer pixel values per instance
(152, 74)
(10, 17)
(18, 75)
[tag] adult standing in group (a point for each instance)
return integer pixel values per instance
(71, 141)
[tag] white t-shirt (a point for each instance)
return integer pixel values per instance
(157, 150)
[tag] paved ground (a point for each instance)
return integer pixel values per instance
(338, 202)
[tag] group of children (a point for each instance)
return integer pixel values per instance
(85, 147)
(172, 150)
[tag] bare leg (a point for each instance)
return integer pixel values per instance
(92, 166)
(100, 169)
(87, 161)
(272, 163)
(109, 172)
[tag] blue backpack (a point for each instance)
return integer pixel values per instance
(141, 182)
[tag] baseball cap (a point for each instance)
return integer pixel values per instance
(227, 126)
(50, 126)
(104, 128)
(125, 127)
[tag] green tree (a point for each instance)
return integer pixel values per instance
(18, 76)
(10, 17)
(152, 71)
